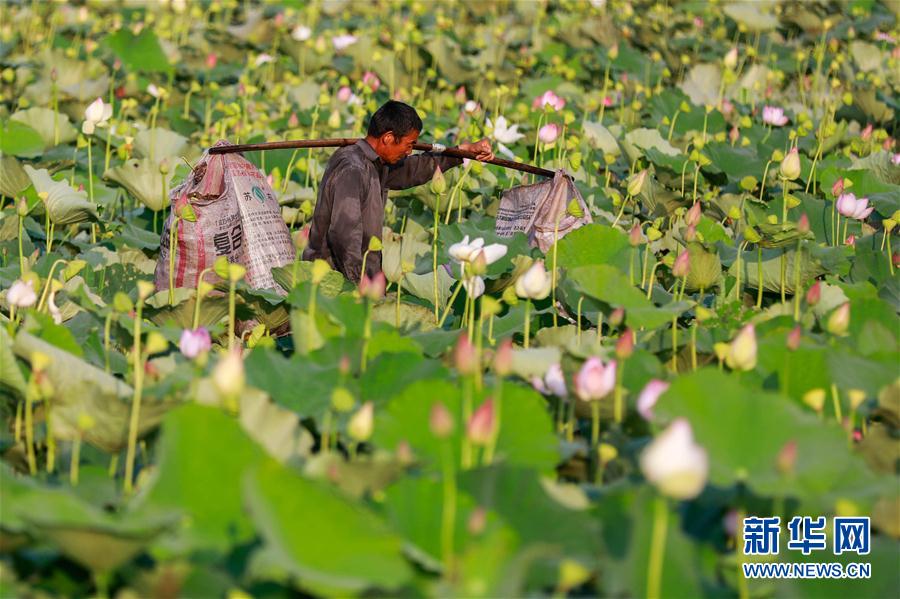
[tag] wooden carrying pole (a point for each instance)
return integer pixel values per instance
(336, 143)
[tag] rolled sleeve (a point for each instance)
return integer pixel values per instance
(418, 169)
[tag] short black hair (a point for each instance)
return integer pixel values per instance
(396, 117)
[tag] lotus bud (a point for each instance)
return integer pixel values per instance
(144, 289)
(682, 265)
(342, 400)
(372, 288)
(752, 235)
(236, 272)
(790, 165)
(690, 234)
(649, 396)
(478, 265)
(477, 521)
(440, 421)
(155, 343)
(534, 283)
(613, 52)
(675, 463)
(787, 458)
(742, 352)
(794, 338)
(572, 574)
(838, 187)
(362, 422)
(194, 342)
(803, 224)
(438, 182)
(228, 375)
(22, 208)
(594, 380)
(164, 166)
(607, 453)
(839, 321)
(503, 358)
(334, 119)
(480, 428)
(625, 344)
(731, 59)
(636, 183)
(554, 381)
(815, 398)
(634, 235)
(692, 218)
(814, 294)
(465, 358)
(616, 317)
(320, 269)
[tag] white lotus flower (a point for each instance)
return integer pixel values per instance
(155, 91)
(343, 41)
(301, 33)
(96, 114)
(262, 59)
(21, 294)
(503, 132)
(474, 287)
(54, 310)
(674, 463)
(534, 283)
(465, 251)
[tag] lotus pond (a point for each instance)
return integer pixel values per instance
(721, 342)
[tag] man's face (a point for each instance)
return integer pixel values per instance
(394, 149)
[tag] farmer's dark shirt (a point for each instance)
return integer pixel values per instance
(350, 207)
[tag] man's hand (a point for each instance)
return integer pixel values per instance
(481, 149)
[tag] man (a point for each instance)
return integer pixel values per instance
(350, 207)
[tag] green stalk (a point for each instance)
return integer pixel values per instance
(76, 458)
(651, 278)
(17, 428)
(618, 403)
(51, 439)
(492, 444)
(527, 321)
(595, 424)
(466, 416)
(367, 334)
(657, 547)
(397, 305)
(578, 327)
(90, 170)
(797, 289)
(173, 237)
(136, 399)
(672, 125)
(29, 428)
(783, 274)
(449, 304)
(674, 344)
(836, 399)
(622, 209)
(759, 282)
(890, 255)
(553, 272)
(198, 299)
(434, 244)
(603, 94)
(232, 289)
(21, 251)
(448, 508)
(694, 346)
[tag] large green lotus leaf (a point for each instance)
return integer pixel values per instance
(289, 277)
(326, 540)
(83, 79)
(389, 374)
(13, 178)
(446, 54)
(411, 316)
(399, 249)
(422, 286)
(277, 429)
(600, 137)
(296, 383)
(868, 57)
(414, 507)
(18, 139)
(140, 52)
(202, 456)
(594, 244)
(753, 15)
(80, 388)
(526, 431)
(94, 538)
(181, 313)
(736, 163)
(66, 206)
(143, 180)
(743, 431)
(526, 501)
(637, 141)
(626, 517)
(158, 144)
(610, 285)
(701, 84)
(706, 269)
(41, 120)
(881, 166)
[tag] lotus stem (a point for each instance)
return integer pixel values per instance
(618, 400)
(17, 429)
(232, 292)
(29, 428)
(51, 440)
(434, 263)
(674, 364)
(890, 254)
(367, 335)
(657, 547)
(553, 272)
(603, 92)
(173, 237)
(622, 209)
(650, 279)
(136, 398)
(527, 321)
(836, 399)
(595, 424)
(759, 282)
(449, 305)
(644, 263)
(76, 458)
(448, 508)
(797, 289)
(22, 268)
(397, 305)
(672, 125)
(694, 346)
(466, 453)
(198, 299)
(46, 290)
(90, 169)
(578, 328)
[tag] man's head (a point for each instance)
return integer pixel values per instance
(393, 130)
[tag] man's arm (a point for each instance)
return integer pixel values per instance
(345, 232)
(416, 170)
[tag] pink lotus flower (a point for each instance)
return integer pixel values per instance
(847, 205)
(480, 428)
(595, 380)
(460, 95)
(548, 98)
(682, 265)
(194, 342)
(371, 79)
(698, 22)
(851, 241)
(372, 287)
(649, 396)
(211, 60)
(838, 187)
(727, 107)
(895, 159)
(344, 94)
(866, 134)
(772, 115)
(440, 420)
(548, 133)
(607, 101)
(555, 381)
(293, 121)
(693, 215)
